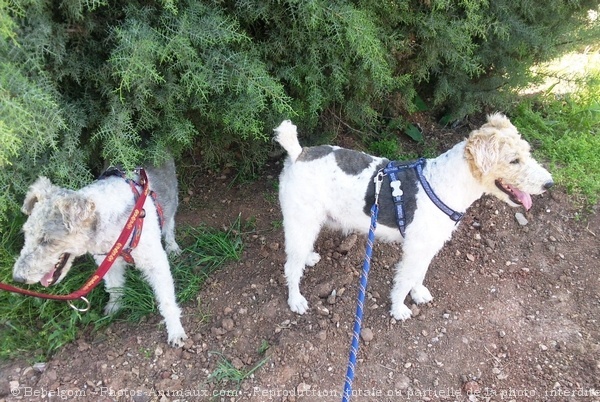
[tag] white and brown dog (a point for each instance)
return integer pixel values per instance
(64, 224)
(334, 187)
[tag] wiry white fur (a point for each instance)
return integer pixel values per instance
(89, 221)
(316, 192)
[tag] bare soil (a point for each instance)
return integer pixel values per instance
(515, 316)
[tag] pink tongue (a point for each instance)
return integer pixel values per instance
(523, 197)
(47, 279)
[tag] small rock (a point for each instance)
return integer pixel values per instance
(227, 324)
(303, 387)
(158, 351)
(217, 331)
(237, 363)
(51, 375)
(324, 289)
(422, 357)
(521, 219)
(274, 246)
(470, 257)
(322, 335)
(415, 310)
(322, 310)
(367, 334)
(472, 388)
(13, 385)
(331, 299)
(39, 367)
(348, 243)
(402, 382)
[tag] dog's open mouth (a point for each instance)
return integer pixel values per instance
(52, 276)
(517, 196)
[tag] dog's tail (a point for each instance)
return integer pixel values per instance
(287, 136)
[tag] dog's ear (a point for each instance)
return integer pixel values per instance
(78, 212)
(482, 151)
(38, 191)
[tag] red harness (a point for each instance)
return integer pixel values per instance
(134, 225)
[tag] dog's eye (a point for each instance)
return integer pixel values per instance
(515, 161)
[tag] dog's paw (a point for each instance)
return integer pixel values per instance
(173, 249)
(312, 259)
(177, 340)
(400, 312)
(112, 307)
(298, 304)
(420, 294)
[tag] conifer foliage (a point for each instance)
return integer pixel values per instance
(83, 81)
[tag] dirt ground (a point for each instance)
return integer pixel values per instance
(515, 317)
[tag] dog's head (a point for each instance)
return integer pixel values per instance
(500, 159)
(57, 230)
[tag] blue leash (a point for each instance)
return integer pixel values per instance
(362, 291)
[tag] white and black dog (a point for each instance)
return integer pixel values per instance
(64, 224)
(332, 186)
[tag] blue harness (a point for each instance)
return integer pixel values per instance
(392, 170)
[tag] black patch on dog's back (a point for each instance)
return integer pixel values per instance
(387, 209)
(312, 153)
(352, 162)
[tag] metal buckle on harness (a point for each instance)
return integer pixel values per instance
(81, 310)
(378, 182)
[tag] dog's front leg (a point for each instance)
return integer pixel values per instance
(410, 273)
(114, 281)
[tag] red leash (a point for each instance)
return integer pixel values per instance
(114, 253)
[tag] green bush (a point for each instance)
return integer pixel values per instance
(565, 129)
(82, 81)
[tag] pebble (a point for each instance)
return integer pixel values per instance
(348, 243)
(331, 299)
(402, 382)
(303, 387)
(322, 310)
(228, 324)
(471, 388)
(367, 334)
(415, 310)
(324, 289)
(39, 367)
(521, 219)
(237, 363)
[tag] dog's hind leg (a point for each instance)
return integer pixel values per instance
(168, 231)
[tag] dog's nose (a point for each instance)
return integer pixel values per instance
(18, 278)
(548, 184)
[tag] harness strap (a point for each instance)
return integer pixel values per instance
(139, 224)
(392, 170)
